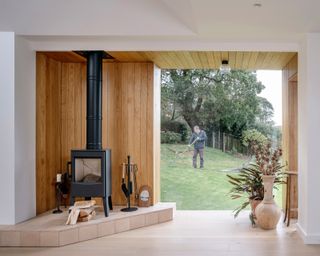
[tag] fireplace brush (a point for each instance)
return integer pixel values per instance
(129, 171)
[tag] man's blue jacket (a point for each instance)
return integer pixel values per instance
(201, 138)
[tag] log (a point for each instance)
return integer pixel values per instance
(84, 204)
(73, 216)
(87, 218)
(85, 212)
(81, 211)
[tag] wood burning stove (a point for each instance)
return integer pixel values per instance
(91, 175)
(91, 167)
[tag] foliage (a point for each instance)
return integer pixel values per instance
(252, 136)
(265, 111)
(184, 91)
(266, 129)
(248, 185)
(267, 159)
(264, 122)
(229, 104)
(177, 127)
(170, 137)
(277, 136)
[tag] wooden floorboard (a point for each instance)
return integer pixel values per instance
(190, 233)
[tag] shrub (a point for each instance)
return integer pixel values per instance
(253, 136)
(176, 127)
(170, 137)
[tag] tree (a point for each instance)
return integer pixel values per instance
(184, 91)
(264, 122)
(228, 103)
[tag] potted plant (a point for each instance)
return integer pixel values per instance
(268, 163)
(248, 185)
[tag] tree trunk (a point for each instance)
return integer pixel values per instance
(191, 119)
(213, 140)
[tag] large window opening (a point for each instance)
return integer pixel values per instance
(231, 109)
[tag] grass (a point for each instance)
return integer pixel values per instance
(199, 189)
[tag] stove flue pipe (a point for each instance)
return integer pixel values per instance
(94, 99)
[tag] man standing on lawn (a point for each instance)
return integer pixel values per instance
(198, 140)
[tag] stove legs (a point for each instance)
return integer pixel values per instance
(107, 204)
(110, 203)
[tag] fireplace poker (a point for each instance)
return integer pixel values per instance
(128, 188)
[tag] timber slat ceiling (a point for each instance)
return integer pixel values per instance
(207, 59)
(192, 59)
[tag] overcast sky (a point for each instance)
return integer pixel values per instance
(272, 80)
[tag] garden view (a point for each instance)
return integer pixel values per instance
(229, 108)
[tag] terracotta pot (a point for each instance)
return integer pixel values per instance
(267, 212)
(254, 203)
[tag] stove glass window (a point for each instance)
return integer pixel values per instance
(88, 170)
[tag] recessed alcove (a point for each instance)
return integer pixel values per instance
(130, 125)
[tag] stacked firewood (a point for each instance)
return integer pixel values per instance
(81, 211)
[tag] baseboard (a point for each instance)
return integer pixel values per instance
(308, 238)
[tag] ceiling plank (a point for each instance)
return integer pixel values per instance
(239, 60)
(192, 59)
(246, 59)
(210, 59)
(232, 59)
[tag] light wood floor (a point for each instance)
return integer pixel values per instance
(194, 233)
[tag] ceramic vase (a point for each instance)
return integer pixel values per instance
(267, 212)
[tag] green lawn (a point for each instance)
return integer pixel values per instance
(198, 189)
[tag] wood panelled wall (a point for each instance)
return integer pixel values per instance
(48, 139)
(131, 122)
(290, 125)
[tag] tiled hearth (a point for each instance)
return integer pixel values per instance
(50, 230)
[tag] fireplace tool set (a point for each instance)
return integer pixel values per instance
(129, 171)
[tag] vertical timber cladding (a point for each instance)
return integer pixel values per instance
(60, 125)
(129, 123)
(48, 126)
(290, 126)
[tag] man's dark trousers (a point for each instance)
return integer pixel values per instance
(197, 151)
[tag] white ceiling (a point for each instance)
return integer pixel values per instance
(220, 19)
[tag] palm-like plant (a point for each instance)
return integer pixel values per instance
(247, 184)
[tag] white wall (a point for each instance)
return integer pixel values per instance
(309, 139)
(17, 129)
(25, 129)
(7, 192)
